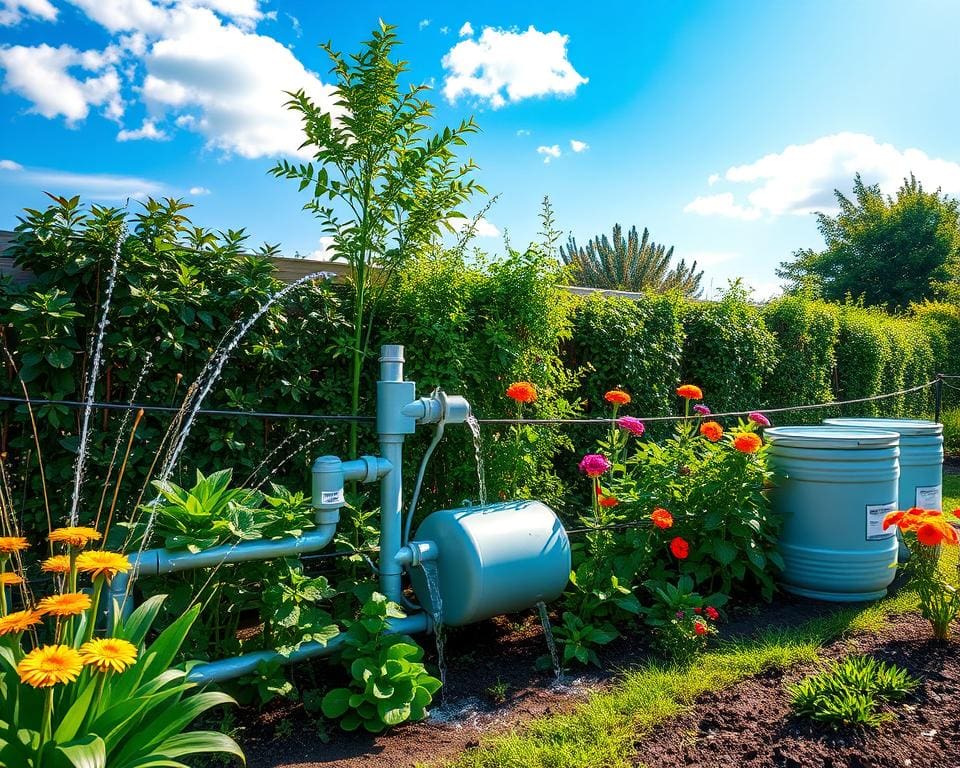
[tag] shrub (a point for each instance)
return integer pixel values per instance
(728, 351)
(852, 692)
(863, 354)
(806, 333)
(910, 364)
(683, 621)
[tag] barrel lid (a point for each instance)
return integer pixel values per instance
(818, 436)
(901, 426)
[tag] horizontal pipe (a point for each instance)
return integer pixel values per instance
(416, 552)
(238, 666)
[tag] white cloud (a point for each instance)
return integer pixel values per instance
(14, 11)
(325, 252)
(713, 178)
(549, 153)
(10, 165)
(802, 178)
(295, 24)
(444, 30)
(721, 205)
(482, 227)
(523, 132)
(709, 258)
(148, 130)
(46, 76)
(508, 66)
(197, 191)
(466, 30)
(424, 23)
(579, 146)
(95, 186)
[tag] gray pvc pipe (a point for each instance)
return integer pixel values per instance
(238, 666)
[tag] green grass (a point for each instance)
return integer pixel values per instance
(602, 730)
(951, 492)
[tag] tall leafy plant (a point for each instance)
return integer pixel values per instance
(380, 182)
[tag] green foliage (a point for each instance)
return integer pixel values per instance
(579, 639)
(634, 263)
(682, 619)
(389, 683)
(806, 333)
(728, 351)
(381, 186)
(890, 251)
(122, 720)
(851, 692)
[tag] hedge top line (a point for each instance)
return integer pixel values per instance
(368, 419)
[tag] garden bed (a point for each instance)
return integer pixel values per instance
(481, 659)
(750, 725)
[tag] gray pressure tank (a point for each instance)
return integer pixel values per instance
(493, 559)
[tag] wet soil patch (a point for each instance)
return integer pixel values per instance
(750, 725)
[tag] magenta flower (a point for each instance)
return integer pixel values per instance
(632, 425)
(702, 410)
(758, 418)
(594, 464)
(680, 614)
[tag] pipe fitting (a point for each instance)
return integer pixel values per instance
(416, 552)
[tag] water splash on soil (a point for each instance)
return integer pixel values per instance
(551, 643)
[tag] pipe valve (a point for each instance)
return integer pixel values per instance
(438, 408)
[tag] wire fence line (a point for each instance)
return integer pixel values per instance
(939, 381)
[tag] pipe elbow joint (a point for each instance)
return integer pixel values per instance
(415, 553)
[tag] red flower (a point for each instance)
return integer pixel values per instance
(607, 501)
(712, 613)
(522, 392)
(699, 627)
(698, 610)
(680, 548)
(617, 397)
(661, 518)
(712, 431)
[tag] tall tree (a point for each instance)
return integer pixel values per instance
(631, 263)
(887, 251)
(381, 183)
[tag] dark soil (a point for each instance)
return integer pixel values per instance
(750, 725)
(501, 653)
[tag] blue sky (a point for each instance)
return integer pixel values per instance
(720, 126)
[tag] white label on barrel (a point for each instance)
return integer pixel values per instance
(331, 497)
(929, 497)
(875, 515)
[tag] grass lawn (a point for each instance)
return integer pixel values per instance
(951, 492)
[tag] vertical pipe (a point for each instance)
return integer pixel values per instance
(938, 398)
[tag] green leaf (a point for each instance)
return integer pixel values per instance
(335, 703)
(88, 752)
(724, 552)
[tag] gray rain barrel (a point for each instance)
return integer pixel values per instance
(494, 559)
(921, 461)
(833, 486)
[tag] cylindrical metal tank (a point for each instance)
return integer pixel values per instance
(921, 461)
(833, 486)
(493, 559)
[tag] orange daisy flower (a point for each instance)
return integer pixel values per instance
(10, 579)
(19, 621)
(690, 392)
(747, 442)
(522, 392)
(662, 518)
(47, 666)
(75, 535)
(617, 397)
(712, 431)
(11, 544)
(99, 563)
(69, 604)
(56, 564)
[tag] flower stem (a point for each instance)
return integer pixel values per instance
(46, 728)
(94, 603)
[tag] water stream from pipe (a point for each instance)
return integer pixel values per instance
(436, 613)
(551, 643)
(478, 454)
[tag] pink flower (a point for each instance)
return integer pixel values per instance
(680, 614)
(758, 418)
(594, 464)
(702, 410)
(632, 425)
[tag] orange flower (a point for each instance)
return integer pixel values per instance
(680, 548)
(933, 532)
(109, 654)
(56, 564)
(10, 580)
(662, 518)
(712, 431)
(69, 604)
(617, 397)
(75, 536)
(17, 622)
(11, 544)
(747, 442)
(607, 501)
(910, 519)
(50, 665)
(522, 392)
(99, 563)
(690, 392)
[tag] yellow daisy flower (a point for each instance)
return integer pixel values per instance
(10, 580)
(56, 564)
(20, 621)
(69, 604)
(98, 563)
(109, 654)
(50, 665)
(75, 536)
(11, 544)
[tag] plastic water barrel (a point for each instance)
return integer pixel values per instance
(833, 486)
(493, 559)
(921, 461)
